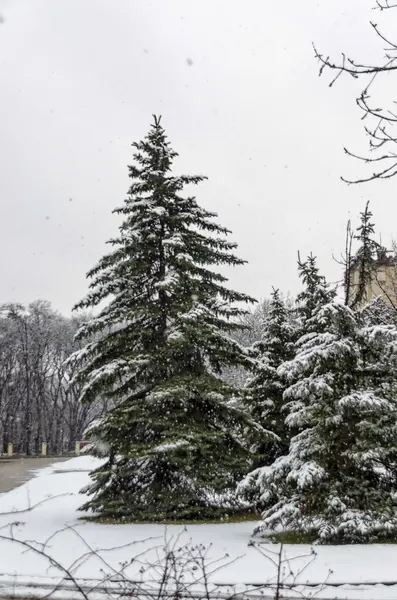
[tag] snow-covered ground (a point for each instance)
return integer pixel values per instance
(70, 542)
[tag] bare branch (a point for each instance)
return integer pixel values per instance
(33, 506)
(351, 67)
(380, 134)
(384, 5)
(50, 559)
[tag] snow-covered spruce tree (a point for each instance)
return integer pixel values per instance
(379, 374)
(316, 293)
(264, 392)
(175, 445)
(337, 481)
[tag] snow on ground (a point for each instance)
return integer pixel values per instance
(53, 500)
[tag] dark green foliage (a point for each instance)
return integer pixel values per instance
(316, 292)
(364, 260)
(181, 449)
(176, 444)
(337, 482)
(266, 388)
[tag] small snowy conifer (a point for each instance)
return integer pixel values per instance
(266, 387)
(316, 293)
(364, 260)
(337, 481)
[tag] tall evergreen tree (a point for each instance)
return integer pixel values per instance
(175, 444)
(337, 481)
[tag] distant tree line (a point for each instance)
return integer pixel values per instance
(37, 402)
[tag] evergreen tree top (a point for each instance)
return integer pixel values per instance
(277, 332)
(365, 258)
(159, 283)
(155, 208)
(365, 233)
(316, 292)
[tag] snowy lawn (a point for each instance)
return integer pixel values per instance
(244, 566)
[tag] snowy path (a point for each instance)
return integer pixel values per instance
(15, 471)
(57, 490)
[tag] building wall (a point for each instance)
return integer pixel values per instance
(383, 283)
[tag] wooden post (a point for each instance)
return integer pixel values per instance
(44, 449)
(9, 450)
(77, 448)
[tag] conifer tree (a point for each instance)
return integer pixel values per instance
(364, 259)
(337, 481)
(378, 344)
(265, 389)
(175, 444)
(316, 293)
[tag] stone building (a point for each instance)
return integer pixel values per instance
(380, 281)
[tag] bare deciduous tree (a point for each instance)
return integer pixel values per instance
(379, 121)
(37, 402)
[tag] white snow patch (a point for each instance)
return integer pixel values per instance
(59, 488)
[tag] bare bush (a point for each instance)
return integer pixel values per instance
(167, 567)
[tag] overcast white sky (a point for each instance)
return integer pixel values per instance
(238, 88)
